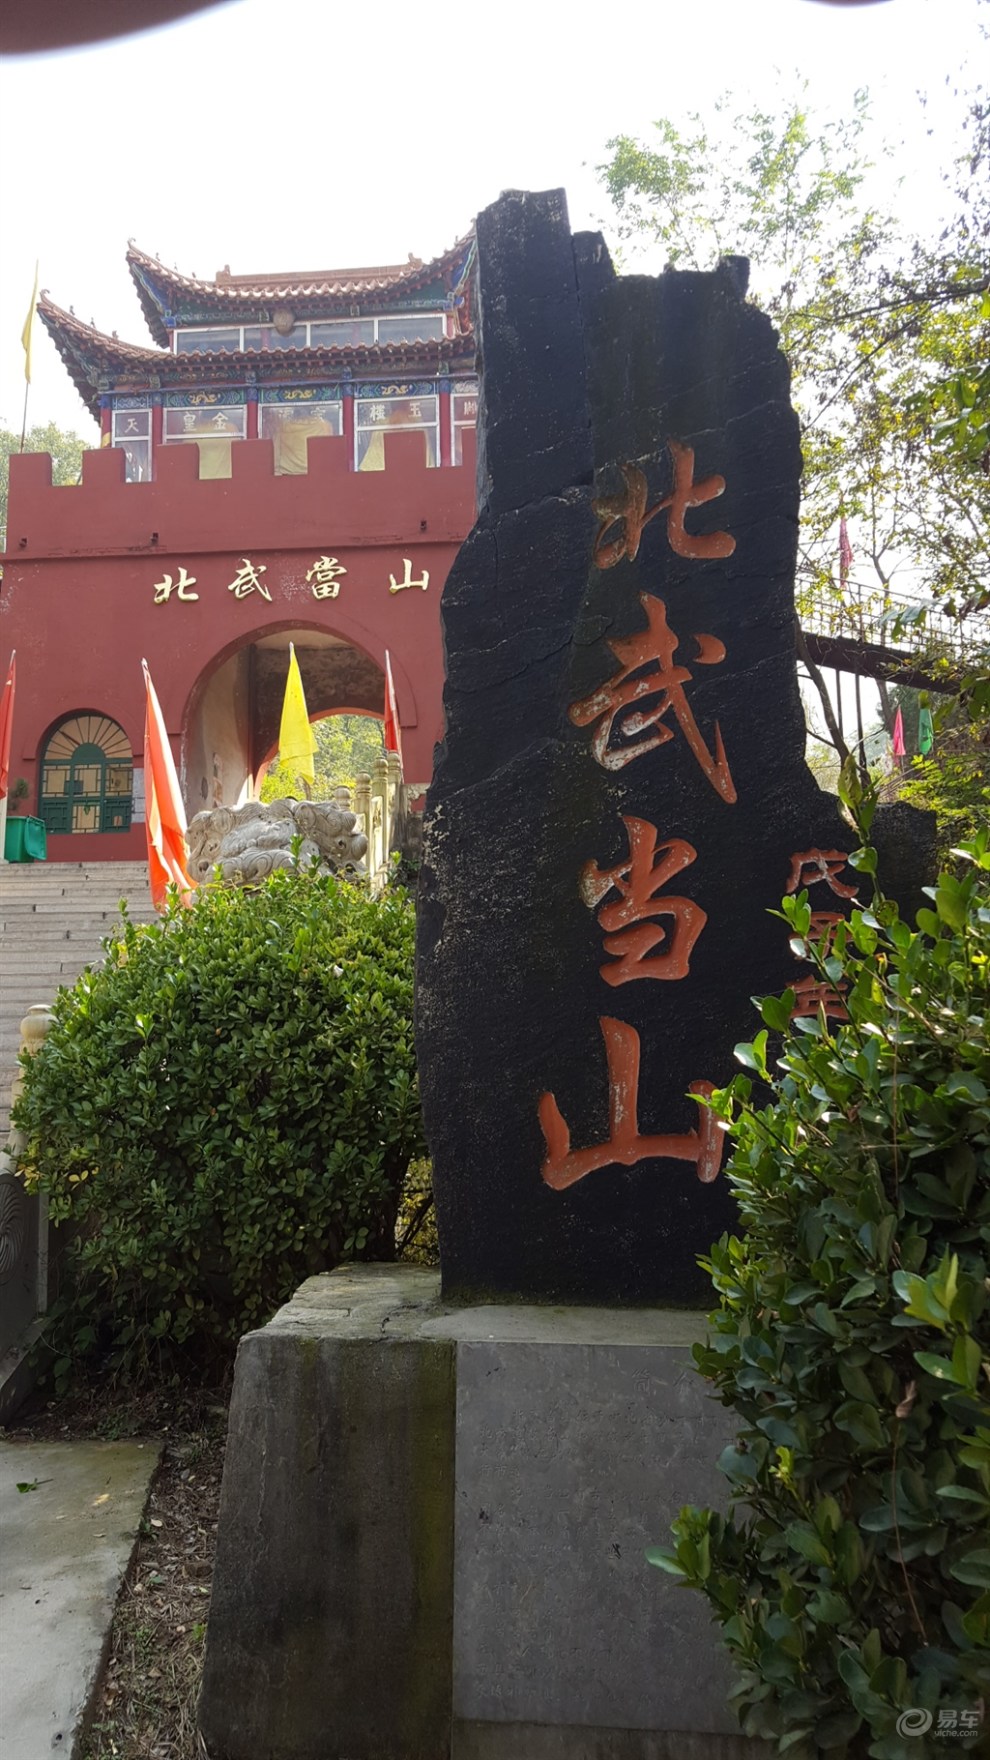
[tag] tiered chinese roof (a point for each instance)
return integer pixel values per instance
(168, 298)
(99, 364)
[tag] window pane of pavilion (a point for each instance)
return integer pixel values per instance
(254, 336)
(132, 432)
(291, 425)
(463, 414)
(211, 428)
(375, 416)
(213, 341)
(411, 327)
(342, 333)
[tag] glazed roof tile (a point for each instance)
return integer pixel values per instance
(91, 356)
(162, 290)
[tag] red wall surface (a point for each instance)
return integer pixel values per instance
(82, 564)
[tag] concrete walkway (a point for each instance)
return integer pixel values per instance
(65, 1548)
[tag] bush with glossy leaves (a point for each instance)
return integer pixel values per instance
(226, 1106)
(852, 1578)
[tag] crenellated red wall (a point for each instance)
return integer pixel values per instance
(78, 594)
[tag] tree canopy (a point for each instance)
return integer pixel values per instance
(66, 453)
(888, 336)
(346, 746)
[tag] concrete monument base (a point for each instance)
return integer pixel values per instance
(432, 1534)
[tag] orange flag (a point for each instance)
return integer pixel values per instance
(165, 816)
(393, 736)
(6, 728)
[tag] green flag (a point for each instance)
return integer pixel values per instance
(926, 732)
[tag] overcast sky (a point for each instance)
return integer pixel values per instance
(320, 135)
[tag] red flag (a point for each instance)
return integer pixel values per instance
(393, 736)
(6, 727)
(165, 816)
(899, 748)
(845, 552)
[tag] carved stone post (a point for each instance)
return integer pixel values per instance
(23, 1247)
(378, 835)
(34, 1031)
(362, 799)
(342, 798)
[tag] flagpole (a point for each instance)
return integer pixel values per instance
(6, 792)
(26, 345)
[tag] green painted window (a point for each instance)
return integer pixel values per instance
(87, 776)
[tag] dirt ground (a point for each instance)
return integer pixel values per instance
(146, 1706)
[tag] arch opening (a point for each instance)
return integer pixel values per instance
(232, 720)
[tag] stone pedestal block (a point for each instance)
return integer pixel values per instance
(433, 1528)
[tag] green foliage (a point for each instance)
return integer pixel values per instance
(66, 454)
(228, 1105)
(416, 1230)
(953, 781)
(852, 1579)
(346, 746)
(954, 784)
(887, 335)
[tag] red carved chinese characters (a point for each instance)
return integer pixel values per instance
(814, 993)
(647, 933)
(563, 1166)
(821, 864)
(629, 511)
(629, 933)
(821, 929)
(812, 867)
(648, 670)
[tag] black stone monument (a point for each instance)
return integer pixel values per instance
(621, 798)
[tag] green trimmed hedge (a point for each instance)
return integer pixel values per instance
(227, 1105)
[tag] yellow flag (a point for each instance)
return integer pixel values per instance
(296, 739)
(26, 332)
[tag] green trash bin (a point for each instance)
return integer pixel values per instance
(25, 840)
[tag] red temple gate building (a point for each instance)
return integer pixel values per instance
(292, 459)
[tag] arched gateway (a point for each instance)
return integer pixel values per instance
(231, 721)
(294, 460)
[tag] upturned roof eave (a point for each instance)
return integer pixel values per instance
(90, 357)
(164, 293)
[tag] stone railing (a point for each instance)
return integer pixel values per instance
(23, 1246)
(379, 802)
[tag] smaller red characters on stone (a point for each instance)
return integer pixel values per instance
(629, 933)
(814, 993)
(562, 1166)
(629, 511)
(821, 864)
(648, 670)
(812, 867)
(821, 928)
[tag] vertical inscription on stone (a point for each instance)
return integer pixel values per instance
(621, 798)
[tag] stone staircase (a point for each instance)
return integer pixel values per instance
(52, 921)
